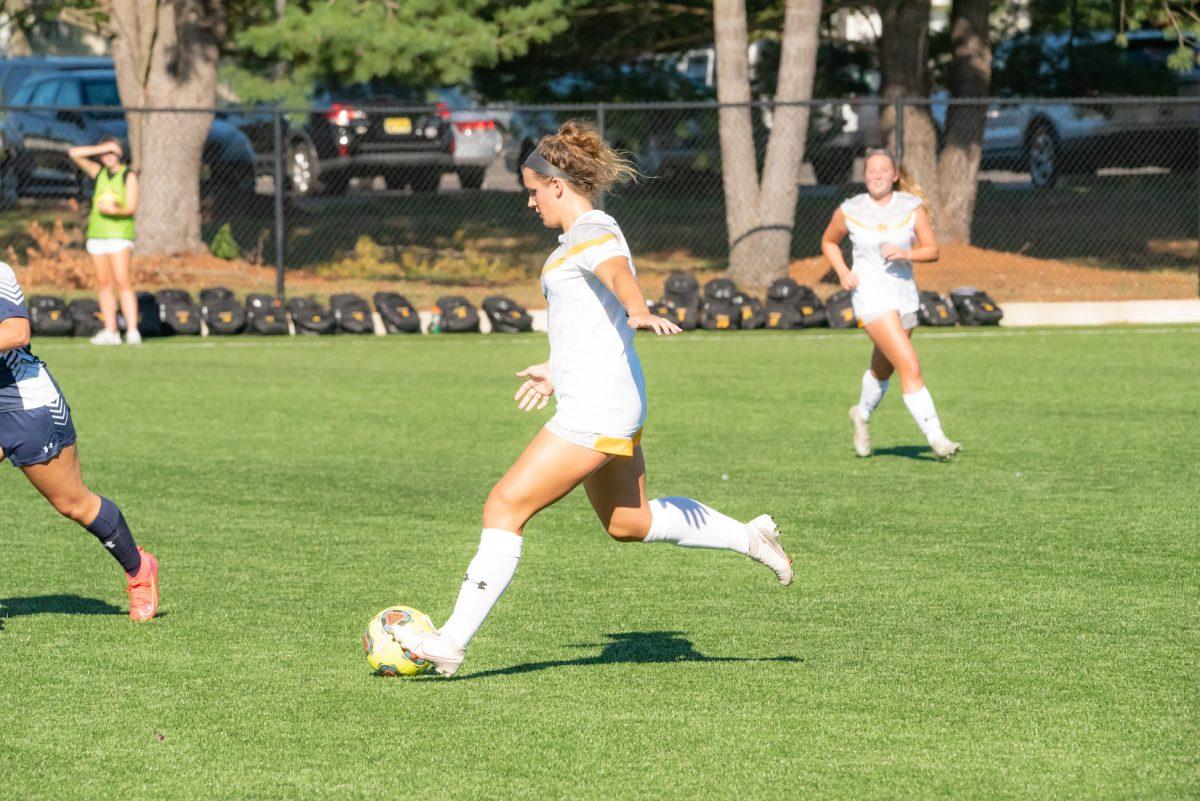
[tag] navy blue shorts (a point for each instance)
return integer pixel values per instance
(35, 436)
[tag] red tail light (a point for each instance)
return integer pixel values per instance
(341, 115)
(443, 111)
(476, 125)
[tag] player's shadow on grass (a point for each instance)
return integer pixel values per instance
(921, 453)
(54, 605)
(632, 647)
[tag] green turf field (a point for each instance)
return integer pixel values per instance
(1021, 623)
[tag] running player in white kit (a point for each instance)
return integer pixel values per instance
(889, 229)
(594, 306)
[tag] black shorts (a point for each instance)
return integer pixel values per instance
(35, 436)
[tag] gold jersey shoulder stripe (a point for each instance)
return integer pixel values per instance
(880, 226)
(575, 251)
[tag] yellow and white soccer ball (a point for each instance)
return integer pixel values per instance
(107, 197)
(385, 655)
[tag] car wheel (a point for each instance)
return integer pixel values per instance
(471, 178)
(302, 168)
(426, 180)
(1042, 153)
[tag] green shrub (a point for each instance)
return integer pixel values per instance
(223, 245)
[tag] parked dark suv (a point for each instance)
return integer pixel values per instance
(359, 131)
(53, 119)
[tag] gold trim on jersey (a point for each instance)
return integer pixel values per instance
(618, 446)
(575, 251)
(881, 226)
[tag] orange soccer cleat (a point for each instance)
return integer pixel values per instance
(143, 589)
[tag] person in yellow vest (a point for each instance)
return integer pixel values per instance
(110, 233)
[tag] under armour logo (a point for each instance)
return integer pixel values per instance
(482, 585)
(111, 544)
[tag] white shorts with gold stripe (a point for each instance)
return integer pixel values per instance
(621, 447)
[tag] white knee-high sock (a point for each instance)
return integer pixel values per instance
(872, 393)
(487, 577)
(920, 406)
(691, 524)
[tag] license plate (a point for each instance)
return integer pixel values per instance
(397, 126)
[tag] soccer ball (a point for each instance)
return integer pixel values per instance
(385, 655)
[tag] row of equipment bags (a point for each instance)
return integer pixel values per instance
(789, 305)
(172, 312)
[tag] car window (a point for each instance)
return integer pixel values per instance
(69, 94)
(45, 94)
(21, 98)
(102, 92)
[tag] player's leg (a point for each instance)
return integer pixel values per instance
(617, 492)
(549, 468)
(895, 343)
(874, 385)
(60, 480)
(107, 298)
(122, 268)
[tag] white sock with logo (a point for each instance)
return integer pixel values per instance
(872, 393)
(691, 524)
(487, 577)
(920, 406)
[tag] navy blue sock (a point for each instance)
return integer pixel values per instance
(110, 528)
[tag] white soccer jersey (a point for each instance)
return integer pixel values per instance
(597, 377)
(882, 285)
(24, 381)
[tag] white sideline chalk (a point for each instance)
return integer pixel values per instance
(1101, 312)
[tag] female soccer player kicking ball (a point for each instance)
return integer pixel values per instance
(594, 305)
(889, 229)
(37, 435)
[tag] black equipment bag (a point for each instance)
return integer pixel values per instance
(720, 289)
(840, 310)
(399, 317)
(458, 315)
(48, 316)
(85, 317)
(975, 307)
(719, 315)
(352, 313)
(221, 311)
(177, 312)
(265, 315)
(812, 310)
(782, 311)
(506, 315)
(681, 296)
(149, 317)
(936, 310)
(750, 311)
(310, 317)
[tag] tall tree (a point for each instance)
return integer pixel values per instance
(760, 212)
(958, 163)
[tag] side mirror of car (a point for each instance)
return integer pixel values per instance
(73, 117)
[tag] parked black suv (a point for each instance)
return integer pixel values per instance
(359, 131)
(53, 119)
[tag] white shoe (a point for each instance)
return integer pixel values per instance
(765, 548)
(133, 337)
(106, 337)
(945, 448)
(439, 651)
(862, 434)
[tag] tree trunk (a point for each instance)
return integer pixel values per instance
(958, 165)
(904, 64)
(760, 217)
(166, 57)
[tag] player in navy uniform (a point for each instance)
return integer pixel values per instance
(37, 435)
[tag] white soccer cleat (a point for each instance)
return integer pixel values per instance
(133, 337)
(862, 434)
(945, 448)
(106, 337)
(765, 548)
(445, 656)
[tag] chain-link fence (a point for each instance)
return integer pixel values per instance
(1075, 199)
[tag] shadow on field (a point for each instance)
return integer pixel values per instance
(921, 453)
(633, 647)
(55, 605)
